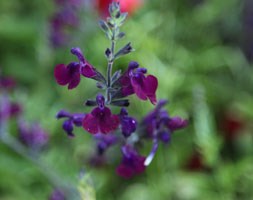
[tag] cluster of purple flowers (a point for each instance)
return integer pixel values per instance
(65, 18)
(109, 128)
(32, 136)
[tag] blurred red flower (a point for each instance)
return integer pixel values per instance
(231, 125)
(129, 6)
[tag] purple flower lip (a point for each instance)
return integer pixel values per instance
(32, 136)
(7, 83)
(135, 81)
(8, 109)
(100, 120)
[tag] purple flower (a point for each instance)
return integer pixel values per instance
(71, 121)
(128, 124)
(100, 120)
(65, 19)
(67, 75)
(159, 126)
(86, 69)
(132, 163)
(32, 136)
(8, 109)
(57, 194)
(7, 82)
(70, 74)
(135, 81)
(104, 142)
(160, 123)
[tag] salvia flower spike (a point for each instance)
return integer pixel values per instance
(110, 127)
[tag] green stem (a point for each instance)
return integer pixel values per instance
(109, 68)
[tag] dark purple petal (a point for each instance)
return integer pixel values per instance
(125, 171)
(128, 124)
(141, 70)
(150, 87)
(62, 114)
(127, 90)
(90, 124)
(61, 74)
(77, 52)
(108, 122)
(137, 82)
(67, 75)
(132, 163)
(100, 120)
(78, 119)
(68, 127)
(72, 119)
(133, 65)
(75, 80)
(164, 136)
(87, 70)
(101, 146)
(177, 123)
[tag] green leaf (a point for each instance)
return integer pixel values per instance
(87, 192)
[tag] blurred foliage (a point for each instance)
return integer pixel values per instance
(195, 48)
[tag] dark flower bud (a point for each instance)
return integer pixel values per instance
(108, 54)
(68, 127)
(120, 35)
(128, 124)
(121, 103)
(114, 9)
(90, 103)
(125, 50)
(116, 76)
(106, 28)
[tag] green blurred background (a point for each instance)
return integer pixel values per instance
(201, 52)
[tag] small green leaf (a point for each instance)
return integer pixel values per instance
(87, 192)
